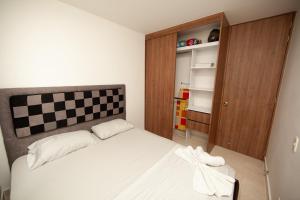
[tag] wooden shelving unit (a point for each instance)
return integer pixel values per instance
(203, 64)
(202, 76)
(197, 65)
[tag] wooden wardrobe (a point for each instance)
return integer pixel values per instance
(248, 73)
(160, 77)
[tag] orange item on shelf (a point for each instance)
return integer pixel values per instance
(181, 109)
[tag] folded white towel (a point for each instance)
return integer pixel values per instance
(211, 182)
(207, 180)
(205, 158)
(201, 156)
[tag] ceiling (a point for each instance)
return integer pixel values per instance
(148, 16)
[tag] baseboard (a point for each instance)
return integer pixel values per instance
(6, 195)
(267, 180)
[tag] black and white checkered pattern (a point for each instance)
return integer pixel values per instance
(33, 114)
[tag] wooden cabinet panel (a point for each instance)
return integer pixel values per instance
(216, 106)
(204, 128)
(198, 117)
(160, 81)
(254, 68)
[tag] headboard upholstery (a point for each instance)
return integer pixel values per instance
(29, 114)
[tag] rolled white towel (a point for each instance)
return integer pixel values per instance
(207, 180)
(191, 155)
(211, 182)
(210, 160)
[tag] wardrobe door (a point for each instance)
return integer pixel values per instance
(254, 66)
(160, 81)
(216, 106)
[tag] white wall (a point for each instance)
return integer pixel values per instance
(284, 165)
(49, 43)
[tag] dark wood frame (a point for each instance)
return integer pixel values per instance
(188, 25)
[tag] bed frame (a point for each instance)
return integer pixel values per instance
(17, 146)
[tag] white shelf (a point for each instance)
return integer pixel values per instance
(199, 109)
(201, 89)
(208, 65)
(203, 68)
(197, 46)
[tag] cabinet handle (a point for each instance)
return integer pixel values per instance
(225, 103)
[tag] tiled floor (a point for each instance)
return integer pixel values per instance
(194, 140)
(249, 171)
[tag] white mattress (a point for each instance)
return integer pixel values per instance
(107, 170)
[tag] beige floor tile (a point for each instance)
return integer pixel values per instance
(249, 172)
(194, 140)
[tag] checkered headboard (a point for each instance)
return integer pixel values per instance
(38, 113)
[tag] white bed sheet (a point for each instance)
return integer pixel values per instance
(170, 178)
(107, 170)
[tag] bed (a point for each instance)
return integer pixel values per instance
(135, 164)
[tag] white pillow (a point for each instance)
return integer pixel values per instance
(110, 128)
(56, 146)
